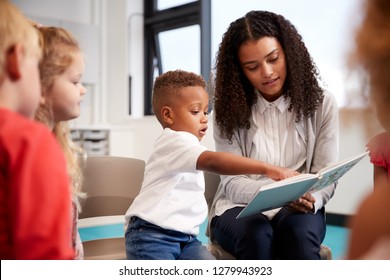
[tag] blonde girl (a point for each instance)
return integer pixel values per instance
(61, 70)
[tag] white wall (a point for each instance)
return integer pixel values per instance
(357, 126)
(83, 19)
(120, 53)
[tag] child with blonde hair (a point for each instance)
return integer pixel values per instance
(61, 70)
(34, 192)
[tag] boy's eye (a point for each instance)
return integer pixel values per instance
(195, 112)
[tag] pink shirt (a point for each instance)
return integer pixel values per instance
(379, 148)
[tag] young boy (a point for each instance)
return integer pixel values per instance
(35, 202)
(163, 221)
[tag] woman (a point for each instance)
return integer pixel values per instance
(268, 105)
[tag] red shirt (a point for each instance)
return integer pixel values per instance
(34, 192)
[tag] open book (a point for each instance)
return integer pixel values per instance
(282, 192)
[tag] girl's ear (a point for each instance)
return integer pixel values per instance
(167, 115)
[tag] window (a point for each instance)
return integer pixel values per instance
(180, 49)
(165, 4)
(177, 35)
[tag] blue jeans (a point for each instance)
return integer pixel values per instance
(146, 241)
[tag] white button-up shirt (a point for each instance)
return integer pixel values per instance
(277, 141)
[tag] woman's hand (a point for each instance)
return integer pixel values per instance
(304, 204)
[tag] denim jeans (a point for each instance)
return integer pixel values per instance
(146, 241)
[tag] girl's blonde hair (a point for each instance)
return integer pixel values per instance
(59, 51)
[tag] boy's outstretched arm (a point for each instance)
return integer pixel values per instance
(231, 164)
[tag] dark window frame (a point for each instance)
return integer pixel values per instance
(156, 21)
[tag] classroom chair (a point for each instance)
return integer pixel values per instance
(212, 181)
(111, 184)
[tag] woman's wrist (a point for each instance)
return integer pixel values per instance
(313, 208)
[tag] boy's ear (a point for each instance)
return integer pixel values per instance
(167, 115)
(13, 59)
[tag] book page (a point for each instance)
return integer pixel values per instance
(353, 159)
(332, 173)
(294, 179)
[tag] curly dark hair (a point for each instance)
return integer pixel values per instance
(234, 95)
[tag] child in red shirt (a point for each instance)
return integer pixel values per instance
(34, 185)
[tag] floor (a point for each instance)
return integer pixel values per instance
(336, 237)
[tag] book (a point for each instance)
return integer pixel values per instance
(280, 193)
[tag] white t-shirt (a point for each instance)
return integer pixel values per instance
(172, 193)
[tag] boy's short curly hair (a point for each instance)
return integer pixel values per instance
(167, 86)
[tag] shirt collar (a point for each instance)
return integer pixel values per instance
(262, 104)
